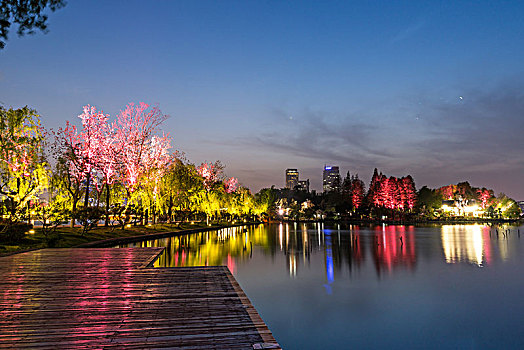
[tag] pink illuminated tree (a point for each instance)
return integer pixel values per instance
(84, 152)
(231, 185)
(447, 192)
(210, 172)
(142, 156)
(102, 153)
(136, 149)
(93, 142)
(484, 195)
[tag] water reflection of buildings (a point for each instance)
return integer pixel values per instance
(468, 243)
(295, 244)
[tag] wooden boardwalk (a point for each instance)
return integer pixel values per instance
(108, 297)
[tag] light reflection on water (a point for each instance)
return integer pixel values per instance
(382, 286)
(477, 244)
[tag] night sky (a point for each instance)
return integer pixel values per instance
(434, 89)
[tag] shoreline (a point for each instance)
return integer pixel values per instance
(140, 234)
(410, 222)
(107, 243)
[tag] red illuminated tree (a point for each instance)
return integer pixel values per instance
(448, 192)
(409, 192)
(392, 193)
(374, 189)
(357, 192)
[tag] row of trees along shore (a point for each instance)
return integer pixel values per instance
(122, 171)
(393, 198)
(117, 171)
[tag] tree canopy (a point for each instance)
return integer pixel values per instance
(28, 15)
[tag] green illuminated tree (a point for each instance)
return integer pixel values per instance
(23, 173)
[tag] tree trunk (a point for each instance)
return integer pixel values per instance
(169, 211)
(73, 212)
(108, 193)
(86, 201)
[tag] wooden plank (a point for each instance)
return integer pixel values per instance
(104, 297)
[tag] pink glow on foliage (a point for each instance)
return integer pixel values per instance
(357, 193)
(392, 193)
(94, 131)
(209, 172)
(123, 150)
(231, 185)
(140, 151)
(484, 196)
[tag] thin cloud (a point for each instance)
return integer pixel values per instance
(485, 126)
(314, 135)
(409, 31)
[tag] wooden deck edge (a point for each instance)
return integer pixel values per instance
(149, 262)
(264, 331)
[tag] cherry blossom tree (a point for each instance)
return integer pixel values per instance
(102, 153)
(85, 152)
(210, 173)
(231, 185)
(135, 128)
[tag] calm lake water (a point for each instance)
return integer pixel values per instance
(372, 287)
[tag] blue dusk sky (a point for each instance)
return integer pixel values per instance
(434, 89)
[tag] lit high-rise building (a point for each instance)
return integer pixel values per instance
(303, 185)
(330, 178)
(291, 178)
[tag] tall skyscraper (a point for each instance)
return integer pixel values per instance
(291, 178)
(330, 178)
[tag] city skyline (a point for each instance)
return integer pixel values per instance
(434, 90)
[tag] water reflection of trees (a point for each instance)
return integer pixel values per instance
(387, 247)
(393, 246)
(341, 247)
(211, 248)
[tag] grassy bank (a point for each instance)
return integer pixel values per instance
(71, 237)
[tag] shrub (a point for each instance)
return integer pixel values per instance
(12, 232)
(88, 217)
